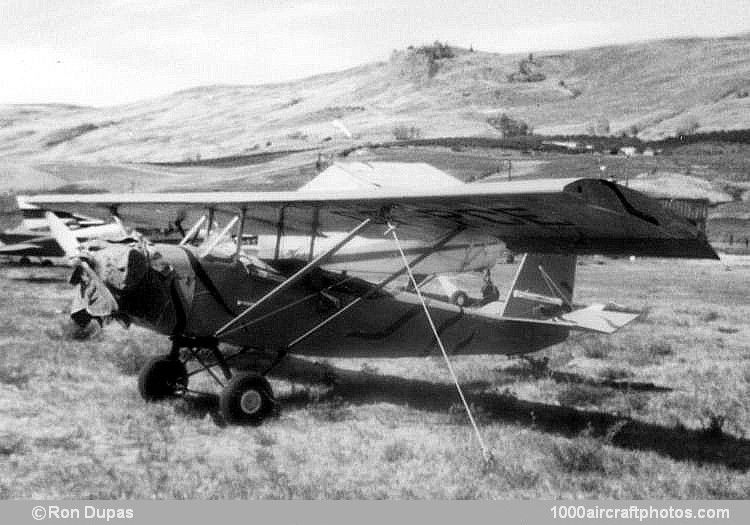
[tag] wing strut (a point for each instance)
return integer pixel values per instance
(232, 326)
(485, 451)
(210, 244)
(382, 284)
(190, 235)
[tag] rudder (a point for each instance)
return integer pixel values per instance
(542, 288)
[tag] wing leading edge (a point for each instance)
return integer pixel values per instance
(574, 216)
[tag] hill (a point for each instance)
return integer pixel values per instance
(652, 89)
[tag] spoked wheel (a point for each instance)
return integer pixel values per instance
(161, 378)
(246, 400)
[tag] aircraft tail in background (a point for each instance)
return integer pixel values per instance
(543, 287)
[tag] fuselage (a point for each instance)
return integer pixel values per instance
(180, 293)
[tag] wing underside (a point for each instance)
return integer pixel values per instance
(579, 216)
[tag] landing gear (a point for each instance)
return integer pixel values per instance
(460, 298)
(162, 377)
(246, 400)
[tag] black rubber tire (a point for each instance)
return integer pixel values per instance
(47, 263)
(24, 261)
(460, 298)
(233, 404)
(161, 377)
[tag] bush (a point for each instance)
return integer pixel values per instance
(600, 126)
(509, 127)
(660, 349)
(527, 71)
(437, 51)
(687, 127)
(402, 132)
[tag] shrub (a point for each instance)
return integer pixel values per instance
(403, 132)
(713, 426)
(297, 135)
(588, 454)
(687, 127)
(437, 51)
(660, 349)
(615, 374)
(508, 126)
(527, 71)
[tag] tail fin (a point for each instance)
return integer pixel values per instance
(542, 292)
(543, 287)
(62, 234)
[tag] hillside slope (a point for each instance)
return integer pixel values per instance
(653, 88)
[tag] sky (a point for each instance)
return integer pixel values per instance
(108, 52)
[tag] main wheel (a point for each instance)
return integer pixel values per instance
(246, 400)
(460, 298)
(161, 377)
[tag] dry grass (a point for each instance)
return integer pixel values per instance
(660, 411)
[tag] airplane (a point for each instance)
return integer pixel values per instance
(223, 311)
(30, 238)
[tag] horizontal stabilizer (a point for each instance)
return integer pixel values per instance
(599, 318)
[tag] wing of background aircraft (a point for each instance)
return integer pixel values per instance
(571, 216)
(37, 247)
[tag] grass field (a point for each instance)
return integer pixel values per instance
(657, 411)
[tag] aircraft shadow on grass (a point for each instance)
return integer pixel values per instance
(361, 388)
(40, 279)
(515, 372)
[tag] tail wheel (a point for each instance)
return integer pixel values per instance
(161, 378)
(246, 400)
